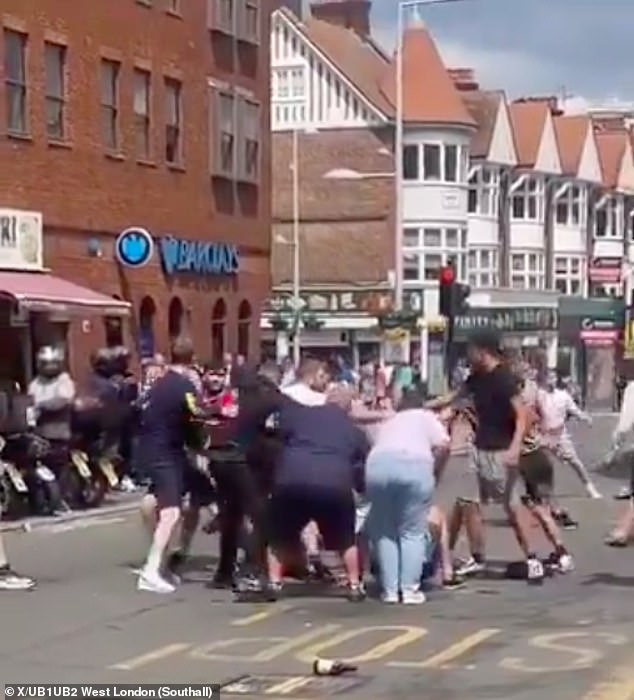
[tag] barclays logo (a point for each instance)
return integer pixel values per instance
(134, 247)
(198, 257)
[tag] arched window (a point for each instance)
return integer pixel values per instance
(175, 318)
(113, 326)
(218, 323)
(244, 328)
(147, 310)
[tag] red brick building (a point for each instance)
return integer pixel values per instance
(140, 113)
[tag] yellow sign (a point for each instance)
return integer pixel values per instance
(628, 344)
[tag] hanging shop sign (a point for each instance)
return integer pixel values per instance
(21, 239)
(134, 247)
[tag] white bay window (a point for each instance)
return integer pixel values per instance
(528, 271)
(570, 207)
(609, 218)
(484, 192)
(527, 199)
(569, 274)
(483, 267)
(435, 162)
(427, 249)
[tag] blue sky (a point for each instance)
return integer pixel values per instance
(533, 46)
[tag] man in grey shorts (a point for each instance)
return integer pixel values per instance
(502, 422)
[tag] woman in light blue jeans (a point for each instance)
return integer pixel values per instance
(400, 479)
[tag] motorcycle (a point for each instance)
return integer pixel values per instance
(14, 492)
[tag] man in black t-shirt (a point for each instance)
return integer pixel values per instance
(171, 421)
(501, 427)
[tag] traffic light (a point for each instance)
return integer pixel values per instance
(447, 280)
(453, 295)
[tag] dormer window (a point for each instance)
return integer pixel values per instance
(528, 199)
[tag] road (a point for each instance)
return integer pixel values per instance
(571, 639)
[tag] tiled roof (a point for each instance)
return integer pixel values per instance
(611, 147)
(571, 133)
(528, 119)
(429, 92)
(349, 252)
(483, 107)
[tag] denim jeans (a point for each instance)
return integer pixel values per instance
(399, 488)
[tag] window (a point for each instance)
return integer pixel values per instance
(250, 21)
(483, 267)
(223, 139)
(609, 218)
(431, 162)
(55, 81)
(484, 192)
(411, 238)
(432, 238)
(570, 207)
(527, 271)
(411, 164)
(432, 266)
(451, 163)
(411, 267)
(289, 83)
(569, 273)
(110, 104)
(250, 137)
(15, 81)
(174, 6)
(142, 82)
(528, 199)
(173, 121)
(223, 18)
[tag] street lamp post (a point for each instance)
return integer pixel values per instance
(297, 299)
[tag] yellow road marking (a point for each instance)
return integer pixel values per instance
(619, 686)
(451, 653)
(407, 635)
(288, 686)
(151, 657)
(263, 614)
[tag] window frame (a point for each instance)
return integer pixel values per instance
(250, 140)
(527, 276)
(16, 85)
(574, 198)
(532, 189)
(569, 278)
(142, 120)
(175, 127)
(112, 110)
(481, 275)
(223, 16)
(174, 7)
(57, 101)
(220, 135)
(484, 192)
(246, 34)
(612, 216)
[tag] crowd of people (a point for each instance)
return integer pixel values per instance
(292, 462)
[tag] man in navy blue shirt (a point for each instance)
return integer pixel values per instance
(171, 421)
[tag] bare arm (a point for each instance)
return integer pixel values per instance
(522, 425)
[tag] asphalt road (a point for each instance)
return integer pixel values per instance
(570, 639)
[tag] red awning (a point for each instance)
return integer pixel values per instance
(40, 291)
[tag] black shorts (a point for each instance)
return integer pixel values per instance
(167, 484)
(538, 475)
(292, 508)
(199, 488)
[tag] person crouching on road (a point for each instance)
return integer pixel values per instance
(322, 453)
(170, 422)
(409, 453)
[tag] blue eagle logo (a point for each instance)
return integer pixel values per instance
(134, 247)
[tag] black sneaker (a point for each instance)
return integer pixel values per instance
(176, 561)
(356, 593)
(222, 581)
(563, 519)
(11, 581)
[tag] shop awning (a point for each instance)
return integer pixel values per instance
(41, 291)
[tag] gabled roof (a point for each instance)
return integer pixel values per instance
(528, 119)
(571, 133)
(429, 93)
(611, 147)
(483, 107)
(360, 60)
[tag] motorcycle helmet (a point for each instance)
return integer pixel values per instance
(121, 359)
(50, 361)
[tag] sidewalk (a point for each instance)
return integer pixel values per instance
(114, 504)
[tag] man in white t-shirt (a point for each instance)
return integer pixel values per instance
(556, 406)
(310, 387)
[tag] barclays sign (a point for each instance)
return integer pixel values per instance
(198, 257)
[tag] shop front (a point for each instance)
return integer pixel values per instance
(37, 307)
(590, 333)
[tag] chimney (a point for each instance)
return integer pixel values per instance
(464, 79)
(551, 100)
(351, 14)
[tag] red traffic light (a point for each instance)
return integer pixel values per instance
(447, 275)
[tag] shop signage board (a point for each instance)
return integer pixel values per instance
(509, 319)
(207, 258)
(21, 240)
(598, 331)
(608, 270)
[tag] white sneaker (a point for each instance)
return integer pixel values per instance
(153, 582)
(413, 597)
(389, 598)
(566, 564)
(470, 568)
(593, 491)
